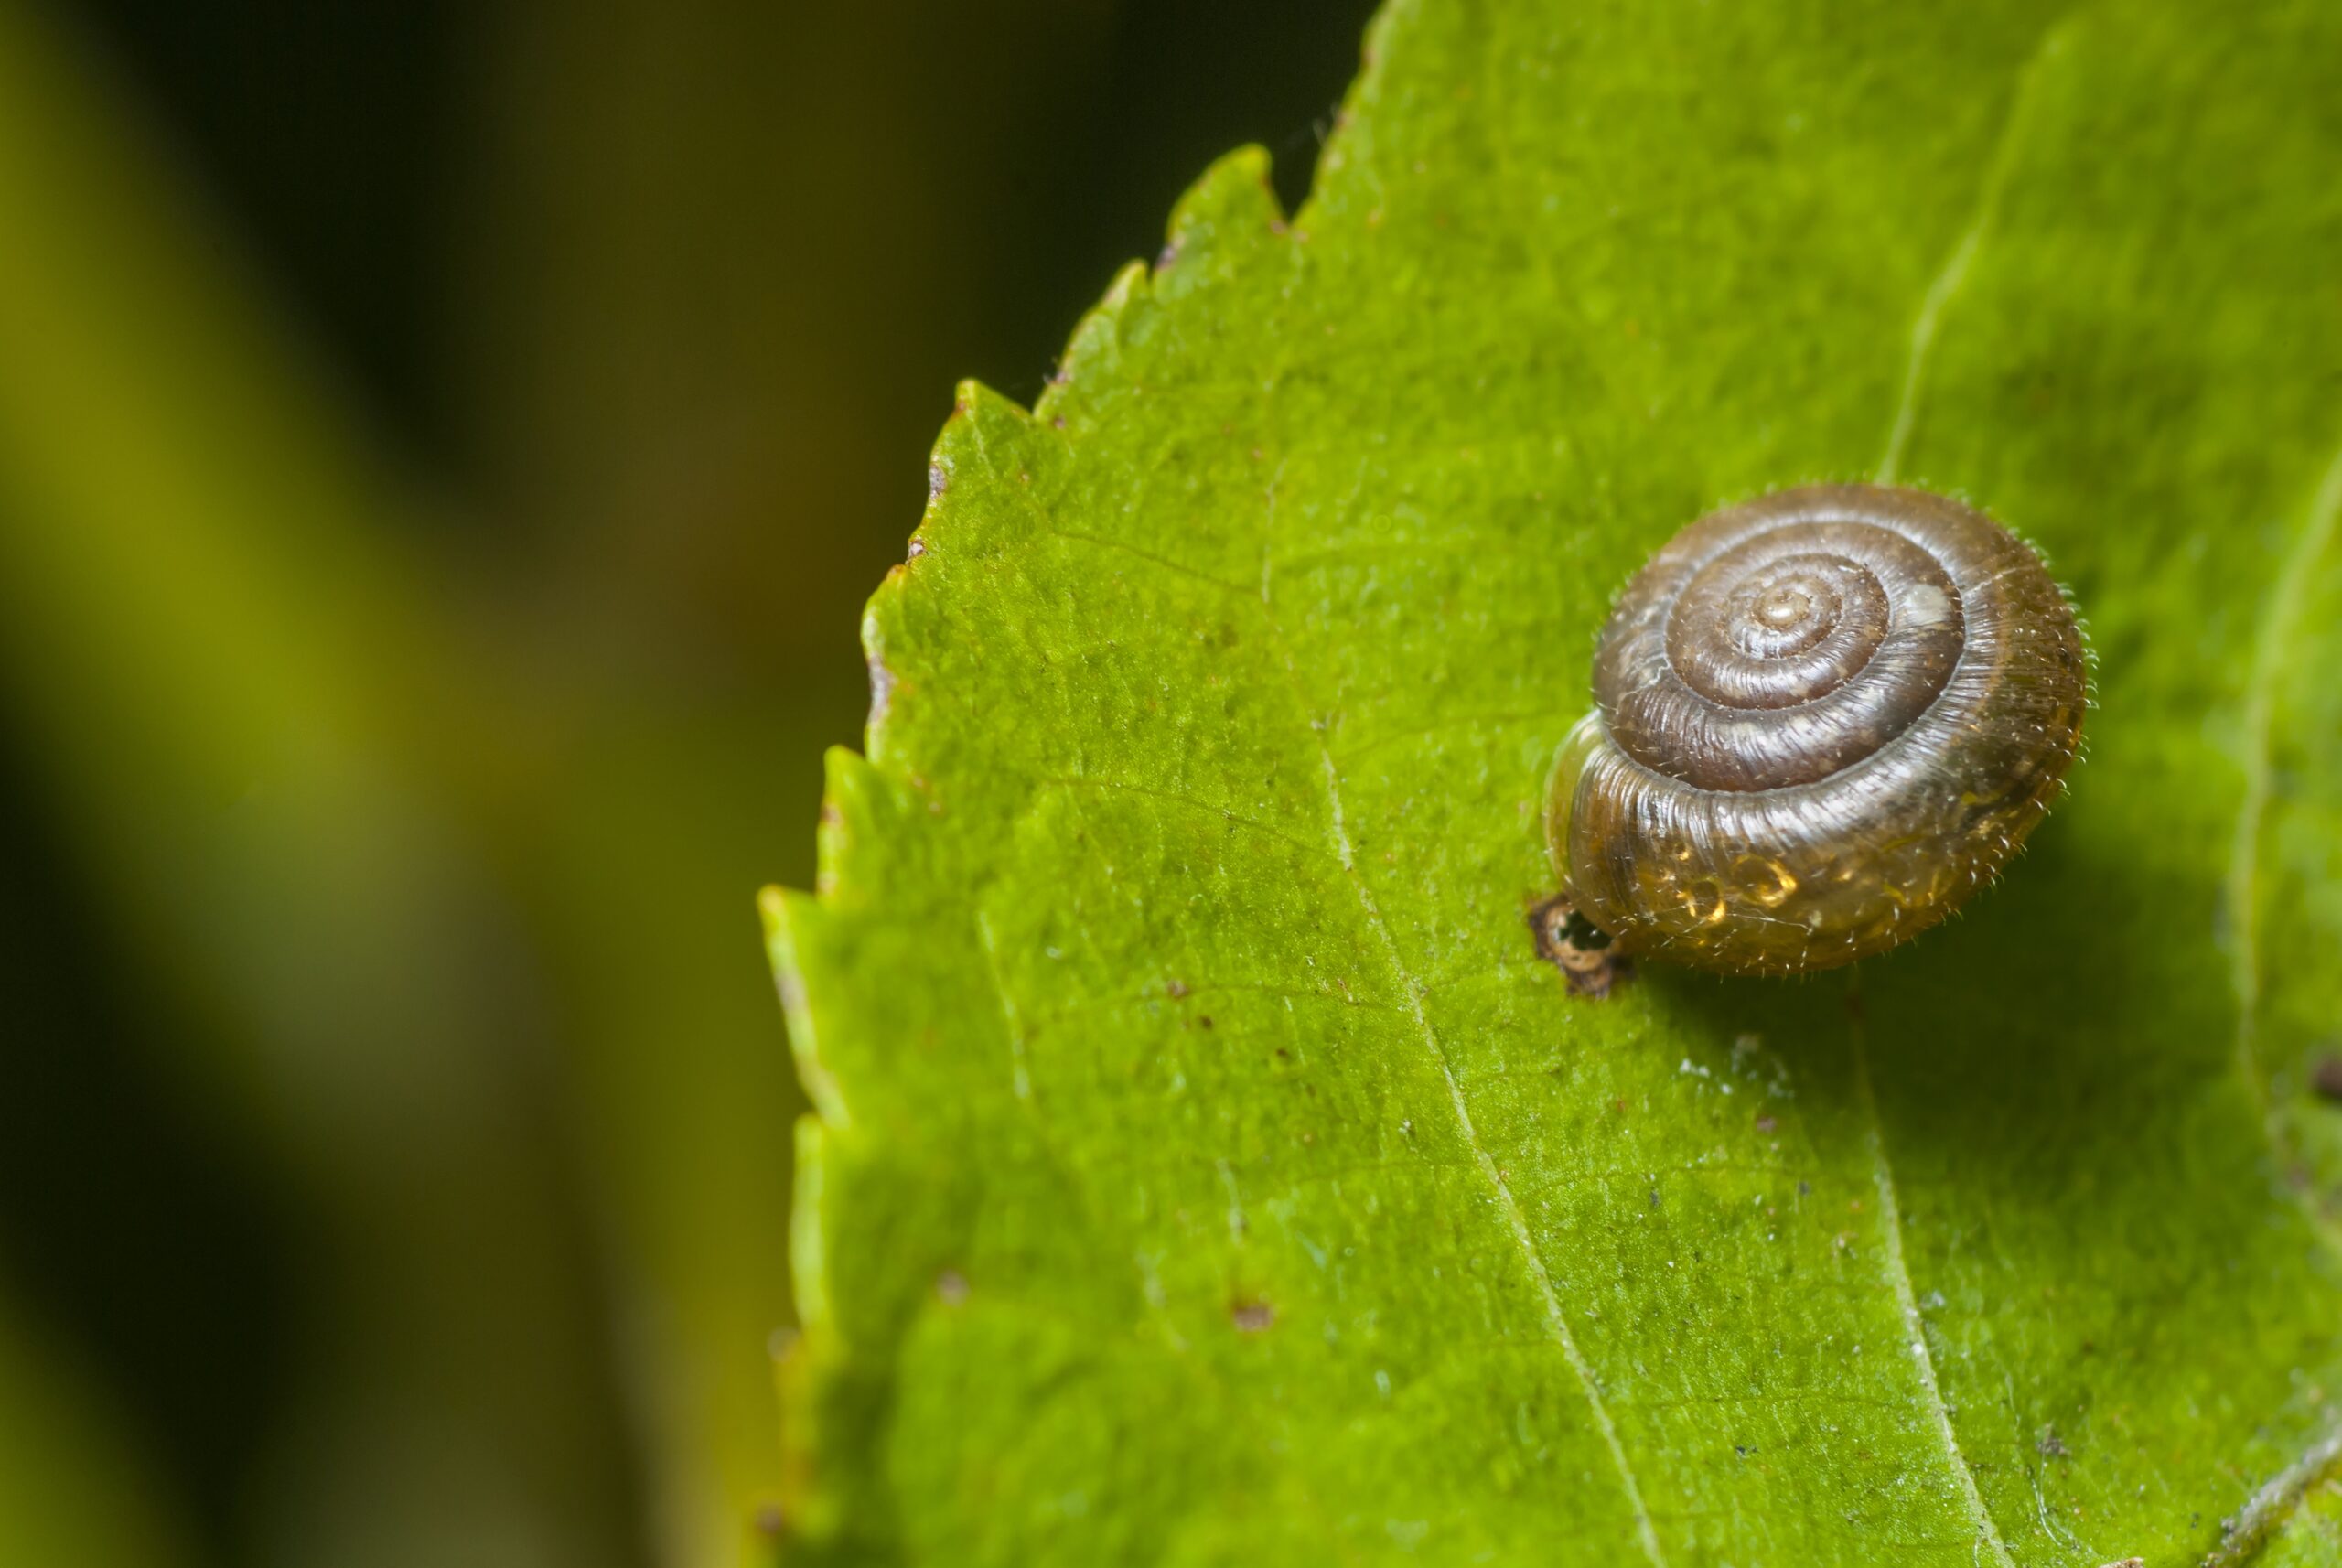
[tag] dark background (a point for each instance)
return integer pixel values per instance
(429, 1205)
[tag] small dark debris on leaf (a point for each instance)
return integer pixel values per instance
(1766, 1123)
(1204, 1020)
(1567, 940)
(938, 482)
(1251, 1316)
(2051, 1445)
(2326, 1077)
(1176, 990)
(1805, 1189)
(1742, 1451)
(952, 1287)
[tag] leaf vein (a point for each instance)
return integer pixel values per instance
(1954, 274)
(1516, 1220)
(2246, 1530)
(1941, 292)
(1177, 798)
(1906, 1302)
(2278, 623)
(1100, 542)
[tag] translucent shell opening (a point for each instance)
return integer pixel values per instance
(1824, 719)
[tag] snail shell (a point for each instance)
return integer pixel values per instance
(1825, 718)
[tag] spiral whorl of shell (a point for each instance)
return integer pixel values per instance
(1824, 718)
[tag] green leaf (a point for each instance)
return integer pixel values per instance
(1204, 1168)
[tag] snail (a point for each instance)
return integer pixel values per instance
(1824, 719)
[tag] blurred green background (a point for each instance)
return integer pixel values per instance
(444, 450)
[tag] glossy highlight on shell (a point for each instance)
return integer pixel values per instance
(1824, 719)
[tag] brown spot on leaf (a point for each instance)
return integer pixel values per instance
(1766, 1124)
(1251, 1316)
(951, 1287)
(2326, 1077)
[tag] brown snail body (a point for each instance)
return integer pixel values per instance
(1824, 718)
